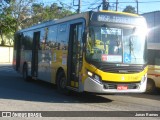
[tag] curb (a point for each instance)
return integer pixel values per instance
(5, 63)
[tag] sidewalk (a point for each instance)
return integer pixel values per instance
(5, 64)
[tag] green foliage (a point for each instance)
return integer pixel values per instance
(129, 9)
(41, 13)
(7, 23)
(19, 14)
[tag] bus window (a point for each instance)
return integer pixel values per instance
(104, 41)
(43, 37)
(61, 38)
(52, 37)
(27, 40)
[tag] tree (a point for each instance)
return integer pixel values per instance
(41, 13)
(13, 15)
(7, 22)
(129, 9)
(21, 10)
(19, 14)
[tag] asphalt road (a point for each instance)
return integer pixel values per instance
(19, 95)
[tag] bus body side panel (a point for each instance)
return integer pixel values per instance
(28, 60)
(154, 74)
(22, 56)
(44, 65)
(154, 63)
(60, 54)
(44, 57)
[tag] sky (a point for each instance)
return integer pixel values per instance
(86, 5)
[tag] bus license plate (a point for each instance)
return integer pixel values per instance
(122, 87)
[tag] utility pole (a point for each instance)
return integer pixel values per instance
(79, 6)
(137, 5)
(116, 5)
(105, 4)
(1, 12)
(98, 7)
(0, 6)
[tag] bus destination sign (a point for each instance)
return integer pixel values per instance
(115, 19)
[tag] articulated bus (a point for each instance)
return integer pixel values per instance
(99, 52)
(153, 67)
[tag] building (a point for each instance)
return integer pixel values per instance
(153, 22)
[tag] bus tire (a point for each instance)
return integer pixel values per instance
(62, 83)
(25, 73)
(150, 86)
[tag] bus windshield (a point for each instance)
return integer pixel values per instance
(113, 44)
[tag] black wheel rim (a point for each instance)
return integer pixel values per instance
(62, 83)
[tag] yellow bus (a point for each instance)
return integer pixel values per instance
(99, 52)
(153, 67)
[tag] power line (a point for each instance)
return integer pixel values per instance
(138, 2)
(66, 4)
(78, 4)
(97, 3)
(92, 4)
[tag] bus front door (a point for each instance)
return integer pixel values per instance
(35, 47)
(74, 55)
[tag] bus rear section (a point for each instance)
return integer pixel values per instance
(153, 68)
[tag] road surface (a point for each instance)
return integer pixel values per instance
(19, 95)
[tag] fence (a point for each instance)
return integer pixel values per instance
(6, 54)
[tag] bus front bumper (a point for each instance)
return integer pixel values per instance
(90, 85)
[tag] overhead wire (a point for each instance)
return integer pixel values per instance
(96, 3)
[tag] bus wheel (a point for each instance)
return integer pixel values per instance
(25, 73)
(62, 83)
(150, 86)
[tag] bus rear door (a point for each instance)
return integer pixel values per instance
(34, 64)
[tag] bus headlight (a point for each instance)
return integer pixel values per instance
(144, 78)
(94, 77)
(89, 73)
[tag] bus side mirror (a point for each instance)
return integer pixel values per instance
(84, 37)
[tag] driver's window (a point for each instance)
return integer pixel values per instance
(112, 38)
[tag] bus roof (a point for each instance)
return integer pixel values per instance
(72, 17)
(51, 22)
(118, 12)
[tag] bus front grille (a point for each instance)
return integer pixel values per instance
(122, 69)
